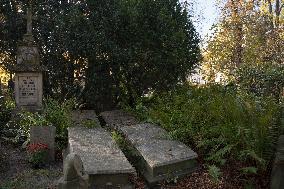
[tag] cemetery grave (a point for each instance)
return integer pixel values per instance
(104, 162)
(90, 58)
(161, 157)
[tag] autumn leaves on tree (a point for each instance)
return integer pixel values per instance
(248, 33)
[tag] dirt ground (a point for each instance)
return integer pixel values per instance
(16, 172)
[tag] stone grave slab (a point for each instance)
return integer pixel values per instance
(163, 158)
(103, 160)
(46, 135)
(118, 118)
(78, 117)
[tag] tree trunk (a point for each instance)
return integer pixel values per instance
(277, 13)
(238, 32)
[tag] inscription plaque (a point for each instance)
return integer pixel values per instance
(28, 90)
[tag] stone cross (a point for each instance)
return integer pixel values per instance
(30, 19)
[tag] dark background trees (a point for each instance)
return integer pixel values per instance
(105, 52)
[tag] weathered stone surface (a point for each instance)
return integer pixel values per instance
(28, 72)
(162, 157)
(44, 135)
(102, 159)
(28, 90)
(81, 116)
(118, 118)
(277, 175)
(74, 175)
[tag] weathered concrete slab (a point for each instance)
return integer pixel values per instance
(78, 117)
(103, 160)
(163, 158)
(118, 118)
(277, 175)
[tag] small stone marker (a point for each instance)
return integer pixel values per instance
(46, 135)
(74, 175)
(277, 175)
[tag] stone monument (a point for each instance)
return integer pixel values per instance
(28, 72)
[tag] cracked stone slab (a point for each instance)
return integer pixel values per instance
(118, 118)
(102, 158)
(162, 157)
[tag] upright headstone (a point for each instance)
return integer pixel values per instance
(28, 72)
(45, 135)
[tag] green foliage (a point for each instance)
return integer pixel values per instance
(6, 107)
(249, 170)
(59, 114)
(262, 80)
(28, 120)
(118, 138)
(118, 49)
(129, 151)
(219, 122)
(214, 172)
(90, 124)
(54, 113)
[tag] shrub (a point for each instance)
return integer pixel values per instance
(55, 114)
(59, 115)
(28, 120)
(219, 122)
(6, 107)
(262, 80)
(214, 172)
(90, 124)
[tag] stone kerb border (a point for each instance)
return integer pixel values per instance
(74, 175)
